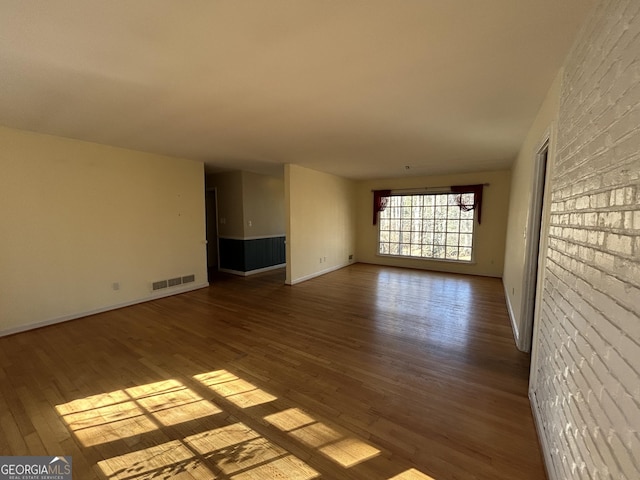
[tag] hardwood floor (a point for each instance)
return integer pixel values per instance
(364, 373)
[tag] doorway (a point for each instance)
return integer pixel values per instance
(211, 214)
(532, 248)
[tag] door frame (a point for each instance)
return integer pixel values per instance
(212, 191)
(535, 241)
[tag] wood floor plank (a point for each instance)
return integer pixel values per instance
(368, 372)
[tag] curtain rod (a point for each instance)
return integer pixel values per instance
(422, 188)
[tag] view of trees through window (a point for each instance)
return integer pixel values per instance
(427, 226)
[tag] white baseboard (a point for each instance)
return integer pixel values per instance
(252, 272)
(74, 316)
(320, 273)
(542, 438)
(514, 325)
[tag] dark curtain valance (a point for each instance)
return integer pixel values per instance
(380, 199)
(477, 198)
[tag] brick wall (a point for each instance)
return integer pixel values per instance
(586, 378)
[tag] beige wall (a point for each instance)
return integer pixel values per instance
(229, 200)
(522, 179)
(250, 205)
(320, 212)
(489, 237)
(263, 205)
(78, 217)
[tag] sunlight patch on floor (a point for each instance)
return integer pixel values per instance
(233, 451)
(105, 418)
(169, 460)
(346, 451)
(412, 474)
(126, 414)
(238, 391)
(139, 416)
(240, 452)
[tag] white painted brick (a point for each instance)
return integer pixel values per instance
(619, 243)
(577, 188)
(622, 125)
(589, 324)
(629, 192)
(611, 219)
(627, 464)
(626, 148)
(590, 219)
(605, 260)
(600, 200)
(632, 441)
(592, 237)
(627, 220)
(587, 254)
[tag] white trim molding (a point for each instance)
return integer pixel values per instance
(318, 274)
(253, 272)
(542, 438)
(75, 316)
(258, 237)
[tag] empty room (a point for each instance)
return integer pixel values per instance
(320, 240)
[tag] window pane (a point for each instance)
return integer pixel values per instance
(452, 253)
(427, 238)
(428, 226)
(468, 214)
(465, 240)
(466, 226)
(440, 225)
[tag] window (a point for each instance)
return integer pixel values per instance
(427, 226)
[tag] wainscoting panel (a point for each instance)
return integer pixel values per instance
(251, 254)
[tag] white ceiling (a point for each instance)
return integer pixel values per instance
(358, 88)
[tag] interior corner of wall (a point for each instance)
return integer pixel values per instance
(512, 317)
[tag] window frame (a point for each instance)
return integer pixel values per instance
(449, 204)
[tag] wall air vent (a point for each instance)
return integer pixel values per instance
(159, 285)
(172, 282)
